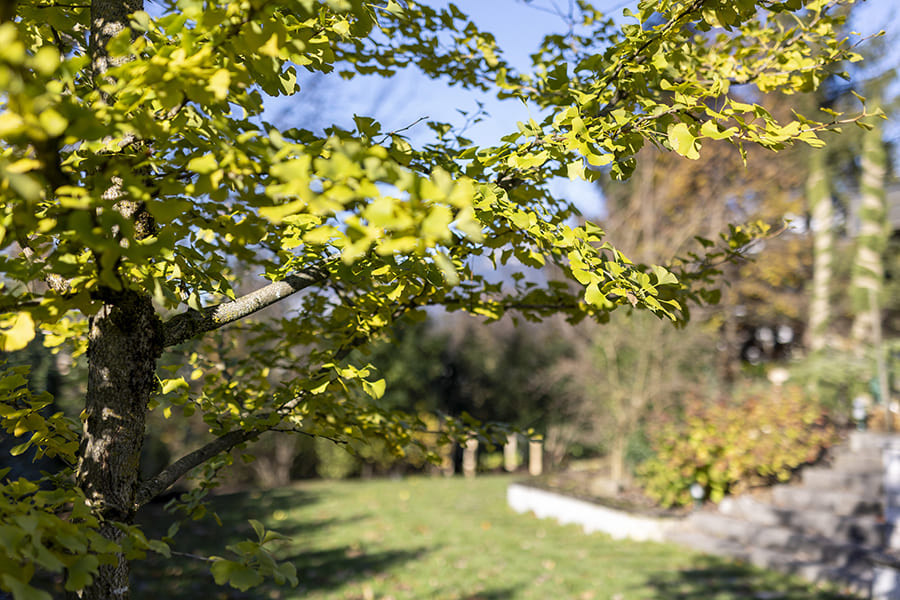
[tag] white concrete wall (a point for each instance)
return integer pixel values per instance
(592, 517)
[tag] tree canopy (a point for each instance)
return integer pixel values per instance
(142, 181)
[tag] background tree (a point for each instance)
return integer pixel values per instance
(140, 176)
(871, 241)
(818, 192)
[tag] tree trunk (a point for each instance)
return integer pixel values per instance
(868, 266)
(819, 198)
(125, 341)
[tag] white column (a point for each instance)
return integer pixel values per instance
(470, 457)
(535, 457)
(511, 453)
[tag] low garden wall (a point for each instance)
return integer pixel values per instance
(619, 524)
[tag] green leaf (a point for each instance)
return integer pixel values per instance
(160, 547)
(168, 209)
(244, 578)
(593, 296)
(22, 591)
(222, 569)
(81, 572)
(711, 130)
(258, 528)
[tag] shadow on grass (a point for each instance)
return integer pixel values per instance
(317, 570)
(498, 594)
(235, 510)
(712, 577)
(326, 569)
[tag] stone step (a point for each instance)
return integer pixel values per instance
(825, 528)
(869, 530)
(856, 463)
(863, 441)
(708, 543)
(840, 502)
(854, 574)
(858, 529)
(800, 545)
(750, 509)
(824, 478)
(753, 535)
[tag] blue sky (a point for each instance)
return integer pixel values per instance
(408, 97)
(400, 102)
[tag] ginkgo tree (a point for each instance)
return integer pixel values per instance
(140, 176)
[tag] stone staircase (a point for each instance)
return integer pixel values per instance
(825, 528)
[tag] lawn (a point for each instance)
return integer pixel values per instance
(423, 538)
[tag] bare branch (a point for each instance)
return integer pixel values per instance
(156, 485)
(193, 323)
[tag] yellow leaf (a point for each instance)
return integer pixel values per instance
(203, 164)
(593, 295)
(170, 385)
(575, 170)
(271, 47)
(436, 224)
(682, 141)
(53, 123)
(23, 165)
(46, 60)
(17, 330)
(219, 83)
(342, 28)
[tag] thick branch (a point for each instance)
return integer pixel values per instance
(165, 478)
(192, 323)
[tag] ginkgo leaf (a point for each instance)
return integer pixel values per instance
(683, 141)
(16, 331)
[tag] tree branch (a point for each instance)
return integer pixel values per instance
(224, 443)
(192, 323)
(156, 485)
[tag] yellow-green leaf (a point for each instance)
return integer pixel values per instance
(683, 141)
(16, 331)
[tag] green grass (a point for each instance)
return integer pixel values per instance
(423, 538)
